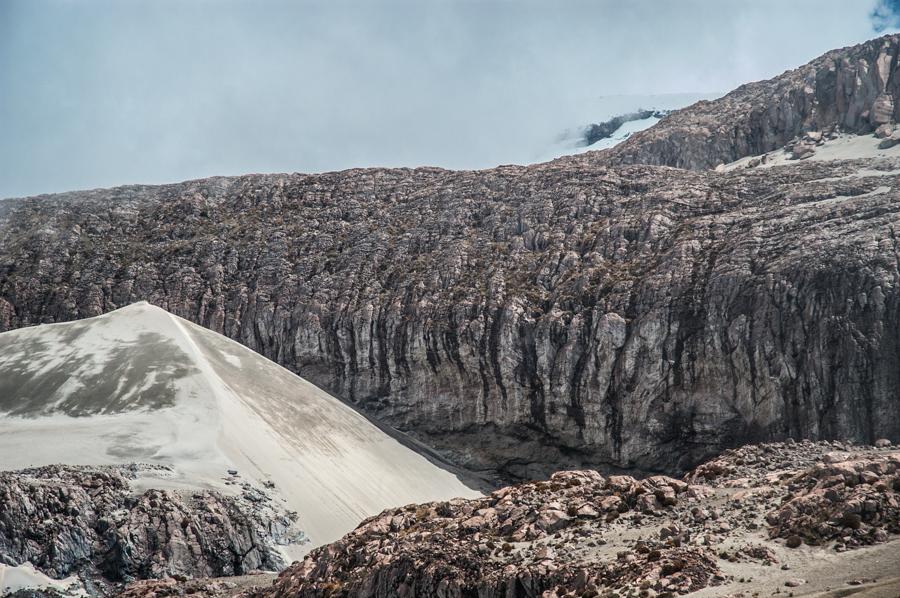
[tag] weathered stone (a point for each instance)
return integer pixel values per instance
(882, 110)
(884, 131)
(667, 555)
(552, 520)
(837, 500)
(365, 296)
(427, 554)
(85, 521)
(838, 91)
(803, 150)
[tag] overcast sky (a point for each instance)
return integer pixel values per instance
(97, 93)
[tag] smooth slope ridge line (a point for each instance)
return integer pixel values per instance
(251, 443)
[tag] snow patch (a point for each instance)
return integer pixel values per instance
(26, 577)
(605, 108)
(843, 147)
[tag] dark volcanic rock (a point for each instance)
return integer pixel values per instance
(86, 522)
(521, 318)
(854, 90)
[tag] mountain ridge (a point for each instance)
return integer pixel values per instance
(401, 237)
(853, 90)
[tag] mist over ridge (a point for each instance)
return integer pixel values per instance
(150, 92)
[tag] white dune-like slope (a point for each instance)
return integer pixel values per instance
(141, 385)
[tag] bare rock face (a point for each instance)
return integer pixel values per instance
(523, 319)
(584, 534)
(854, 90)
(520, 319)
(86, 522)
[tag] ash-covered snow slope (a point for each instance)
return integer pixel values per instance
(141, 385)
(574, 138)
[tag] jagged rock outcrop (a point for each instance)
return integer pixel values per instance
(522, 318)
(85, 521)
(833, 492)
(854, 500)
(853, 90)
(583, 534)
(520, 541)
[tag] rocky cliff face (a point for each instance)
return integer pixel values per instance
(86, 522)
(853, 90)
(523, 318)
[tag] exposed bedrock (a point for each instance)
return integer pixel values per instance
(522, 318)
(853, 90)
(86, 522)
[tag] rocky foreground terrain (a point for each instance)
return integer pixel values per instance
(781, 518)
(88, 523)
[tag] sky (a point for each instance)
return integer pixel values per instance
(96, 93)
